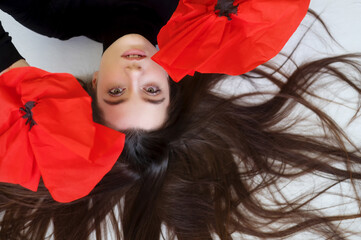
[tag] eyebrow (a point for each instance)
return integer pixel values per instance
(157, 102)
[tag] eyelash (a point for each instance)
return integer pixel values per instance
(111, 92)
(156, 90)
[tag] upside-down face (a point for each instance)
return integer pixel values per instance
(132, 90)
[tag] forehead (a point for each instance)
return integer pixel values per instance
(134, 114)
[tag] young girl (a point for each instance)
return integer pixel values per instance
(117, 24)
(218, 168)
(128, 79)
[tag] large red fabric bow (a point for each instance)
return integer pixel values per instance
(46, 129)
(196, 38)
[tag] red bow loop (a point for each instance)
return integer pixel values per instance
(63, 145)
(197, 39)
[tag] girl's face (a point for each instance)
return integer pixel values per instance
(132, 90)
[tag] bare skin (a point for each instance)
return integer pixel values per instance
(132, 90)
(19, 63)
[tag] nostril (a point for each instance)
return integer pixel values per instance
(134, 67)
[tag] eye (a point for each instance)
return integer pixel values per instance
(152, 90)
(115, 92)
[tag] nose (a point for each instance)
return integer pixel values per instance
(134, 70)
(134, 66)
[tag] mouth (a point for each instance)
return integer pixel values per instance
(134, 54)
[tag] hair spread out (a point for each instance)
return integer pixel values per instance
(219, 167)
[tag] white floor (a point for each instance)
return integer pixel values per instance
(80, 56)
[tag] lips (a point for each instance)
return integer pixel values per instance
(134, 54)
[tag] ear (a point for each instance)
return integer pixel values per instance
(95, 79)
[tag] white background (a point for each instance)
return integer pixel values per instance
(80, 56)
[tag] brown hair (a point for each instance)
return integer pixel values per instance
(216, 168)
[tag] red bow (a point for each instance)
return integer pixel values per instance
(46, 129)
(196, 38)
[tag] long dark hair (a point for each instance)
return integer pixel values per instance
(217, 167)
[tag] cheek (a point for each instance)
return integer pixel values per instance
(109, 67)
(160, 71)
(107, 74)
(109, 79)
(163, 79)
